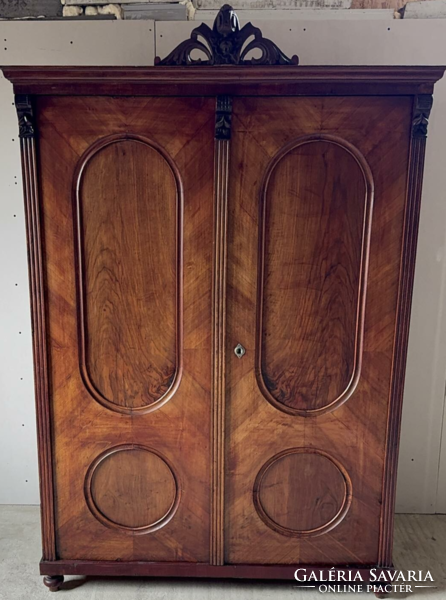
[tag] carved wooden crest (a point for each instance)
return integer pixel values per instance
(25, 115)
(420, 119)
(227, 44)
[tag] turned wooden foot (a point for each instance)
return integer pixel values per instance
(53, 582)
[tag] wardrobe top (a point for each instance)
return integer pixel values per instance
(238, 80)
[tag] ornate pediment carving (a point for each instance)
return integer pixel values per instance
(227, 44)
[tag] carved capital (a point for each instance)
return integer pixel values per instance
(420, 120)
(25, 115)
(226, 44)
(223, 118)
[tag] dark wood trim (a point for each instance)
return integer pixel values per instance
(38, 319)
(221, 175)
(421, 110)
(226, 44)
(223, 117)
(255, 80)
(187, 569)
(53, 583)
(25, 115)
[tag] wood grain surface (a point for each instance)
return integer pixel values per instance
(132, 488)
(315, 223)
(129, 232)
(354, 433)
(129, 281)
(302, 492)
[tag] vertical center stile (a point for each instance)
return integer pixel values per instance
(221, 176)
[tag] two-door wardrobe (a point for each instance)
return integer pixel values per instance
(221, 265)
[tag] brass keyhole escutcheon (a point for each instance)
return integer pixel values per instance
(239, 351)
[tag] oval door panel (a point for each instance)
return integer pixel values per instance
(132, 488)
(128, 208)
(315, 230)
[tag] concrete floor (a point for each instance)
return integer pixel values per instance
(420, 543)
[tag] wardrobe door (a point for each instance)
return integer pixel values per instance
(126, 191)
(316, 209)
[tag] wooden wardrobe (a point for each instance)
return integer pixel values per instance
(221, 261)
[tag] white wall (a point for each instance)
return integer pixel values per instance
(50, 43)
(422, 475)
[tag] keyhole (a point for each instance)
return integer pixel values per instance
(239, 351)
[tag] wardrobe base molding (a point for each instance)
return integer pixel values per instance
(198, 570)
